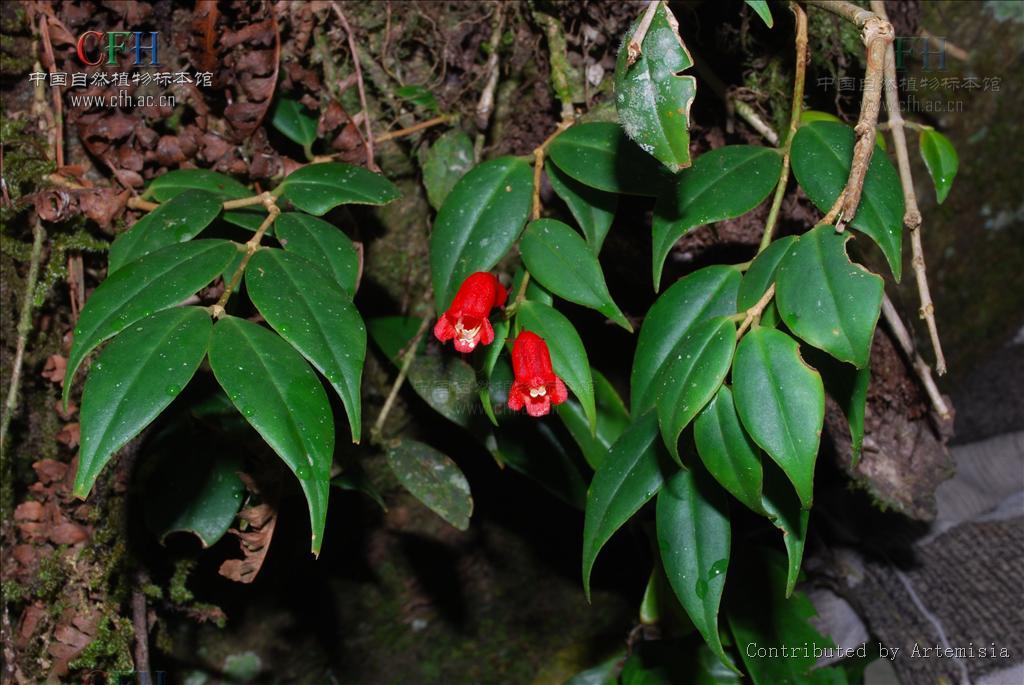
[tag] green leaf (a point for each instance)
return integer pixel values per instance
(534, 292)
(321, 243)
(761, 273)
(315, 315)
(444, 163)
(157, 281)
(568, 356)
(827, 300)
(761, 7)
(940, 157)
(599, 155)
(652, 96)
(694, 537)
(612, 420)
(433, 479)
(691, 376)
(418, 95)
(722, 184)
(478, 223)
(704, 294)
(173, 183)
(281, 397)
(781, 403)
(728, 452)
(848, 386)
(319, 188)
(537, 451)
(822, 154)
(489, 357)
(135, 378)
(593, 209)
(558, 257)
(195, 491)
(629, 476)
(355, 480)
(763, 620)
(783, 507)
(176, 221)
(291, 119)
(602, 674)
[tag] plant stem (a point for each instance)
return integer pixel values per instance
(139, 203)
(407, 359)
(370, 162)
(636, 41)
(753, 315)
(24, 328)
(485, 105)
(912, 215)
(796, 109)
(924, 372)
(415, 128)
(217, 310)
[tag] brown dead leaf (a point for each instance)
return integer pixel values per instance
(54, 369)
(28, 511)
(68, 533)
(50, 470)
(70, 435)
(102, 205)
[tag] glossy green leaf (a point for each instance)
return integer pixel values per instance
(627, 479)
(940, 157)
(195, 491)
(316, 316)
(763, 11)
(599, 155)
(692, 375)
(593, 209)
(781, 403)
(157, 281)
(612, 420)
(433, 479)
(652, 96)
(694, 535)
(321, 243)
(534, 291)
(480, 220)
(826, 299)
(559, 258)
(133, 380)
(728, 452)
(761, 273)
(179, 219)
(763, 622)
(783, 508)
(568, 356)
(280, 396)
(443, 163)
(173, 183)
(319, 188)
(488, 358)
(704, 294)
(293, 120)
(848, 386)
(821, 155)
(721, 184)
(602, 674)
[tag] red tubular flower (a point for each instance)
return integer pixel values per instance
(536, 386)
(466, 320)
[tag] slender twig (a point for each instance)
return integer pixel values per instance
(636, 41)
(415, 128)
(217, 310)
(753, 315)
(139, 203)
(407, 359)
(485, 105)
(368, 140)
(924, 372)
(732, 103)
(796, 109)
(877, 34)
(24, 328)
(538, 167)
(140, 626)
(58, 105)
(912, 215)
(951, 49)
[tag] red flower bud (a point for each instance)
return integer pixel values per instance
(536, 386)
(466, 320)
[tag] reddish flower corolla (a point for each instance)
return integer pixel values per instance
(536, 386)
(466, 320)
